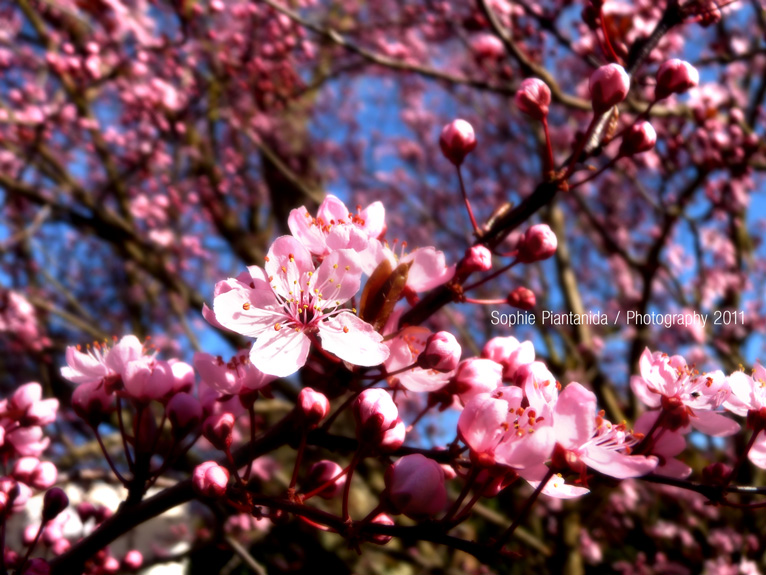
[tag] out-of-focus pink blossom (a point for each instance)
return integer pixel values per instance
(475, 376)
(510, 353)
(522, 298)
(675, 77)
(477, 259)
(185, 413)
(538, 243)
(323, 472)
(230, 377)
(639, 138)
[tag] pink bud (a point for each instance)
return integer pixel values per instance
(43, 476)
(322, 472)
(375, 413)
(24, 398)
(457, 140)
(110, 565)
(415, 486)
(539, 243)
(132, 560)
(639, 138)
(522, 298)
(609, 85)
(183, 376)
(441, 353)
(24, 468)
(533, 98)
(210, 479)
(382, 519)
(54, 502)
(487, 47)
(393, 438)
(313, 405)
(91, 402)
(476, 376)
(477, 259)
(675, 77)
(184, 413)
(217, 429)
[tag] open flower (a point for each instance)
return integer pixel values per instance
(290, 302)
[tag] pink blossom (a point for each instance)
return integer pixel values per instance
(639, 138)
(147, 378)
(230, 377)
(538, 243)
(686, 397)
(477, 259)
(26, 404)
(441, 353)
(590, 438)
(499, 431)
(675, 77)
(375, 413)
(27, 441)
(335, 227)
(475, 376)
(427, 266)
(299, 301)
(99, 361)
(510, 353)
(665, 448)
(522, 298)
(405, 349)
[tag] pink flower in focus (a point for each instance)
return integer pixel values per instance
(588, 437)
(667, 446)
(686, 397)
(474, 376)
(336, 228)
(292, 302)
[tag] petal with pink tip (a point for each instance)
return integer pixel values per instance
(280, 352)
(307, 231)
(714, 424)
(618, 465)
(573, 420)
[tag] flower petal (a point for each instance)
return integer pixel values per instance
(353, 340)
(574, 416)
(280, 352)
(714, 424)
(615, 464)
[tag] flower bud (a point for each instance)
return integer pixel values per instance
(381, 519)
(639, 138)
(54, 502)
(132, 560)
(43, 476)
(393, 439)
(717, 474)
(322, 472)
(477, 259)
(185, 413)
(210, 479)
(375, 413)
(91, 402)
(183, 377)
(441, 353)
(533, 98)
(609, 85)
(313, 405)
(457, 140)
(415, 486)
(218, 429)
(475, 376)
(538, 243)
(522, 298)
(675, 77)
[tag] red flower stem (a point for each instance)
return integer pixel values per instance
(490, 277)
(251, 413)
(467, 203)
(325, 485)
(347, 487)
(125, 447)
(30, 548)
(549, 163)
(108, 457)
(610, 49)
(497, 545)
(472, 475)
(298, 458)
(742, 457)
(597, 173)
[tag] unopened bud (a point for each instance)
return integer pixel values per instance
(323, 472)
(54, 502)
(217, 429)
(639, 138)
(522, 298)
(375, 413)
(533, 98)
(457, 140)
(210, 479)
(415, 486)
(477, 259)
(381, 519)
(185, 413)
(609, 85)
(132, 560)
(717, 474)
(393, 438)
(441, 353)
(538, 243)
(313, 405)
(675, 77)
